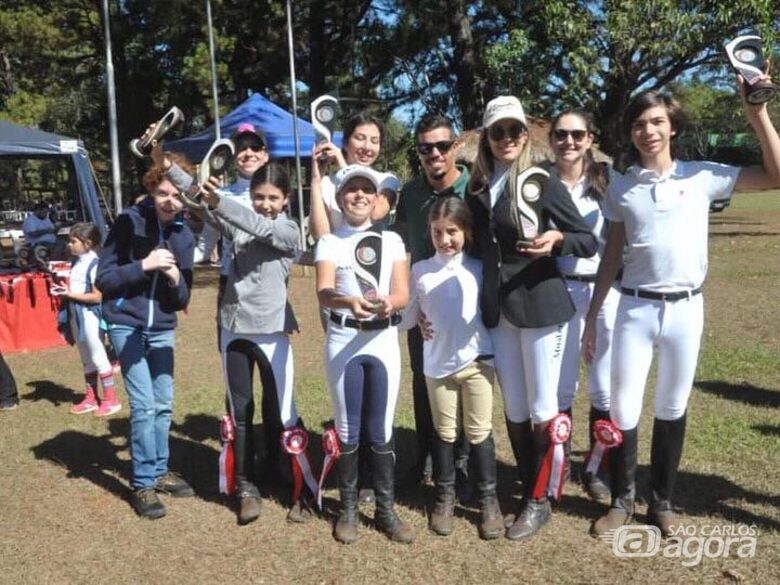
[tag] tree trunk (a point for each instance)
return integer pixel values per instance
(317, 57)
(464, 63)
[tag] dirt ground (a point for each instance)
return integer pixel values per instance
(65, 517)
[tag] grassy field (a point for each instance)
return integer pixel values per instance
(65, 518)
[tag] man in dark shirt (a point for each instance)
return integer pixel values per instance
(436, 145)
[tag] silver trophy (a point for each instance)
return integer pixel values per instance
(142, 147)
(214, 164)
(747, 59)
(324, 113)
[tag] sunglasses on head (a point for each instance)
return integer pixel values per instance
(576, 135)
(443, 146)
(498, 132)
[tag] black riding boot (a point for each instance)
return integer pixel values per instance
(346, 527)
(444, 478)
(622, 465)
(484, 456)
(665, 454)
(521, 437)
(597, 484)
(536, 512)
(383, 464)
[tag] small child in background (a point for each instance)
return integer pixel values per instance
(84, 319)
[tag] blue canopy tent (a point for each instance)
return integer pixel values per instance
(275, 122)
(26, 143)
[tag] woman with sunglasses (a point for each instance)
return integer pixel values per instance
(524, 300)
(362, 145)
(571, 139)
(659, 216)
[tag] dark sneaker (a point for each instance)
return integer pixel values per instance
(172, 484)
(146, 504)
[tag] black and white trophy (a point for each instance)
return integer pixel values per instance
(142, 147)
(529, 187)
(746, 57)
(368, 265)
(324, 113)
(214, 164)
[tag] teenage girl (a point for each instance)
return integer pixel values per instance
(84, 316)
(571, 139)
(458, 363)
(524, 299)
(363, 279)
(254, 314)
(659, 209)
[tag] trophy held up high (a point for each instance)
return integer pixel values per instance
(746, 57)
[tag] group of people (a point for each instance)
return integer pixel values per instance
(515, 270)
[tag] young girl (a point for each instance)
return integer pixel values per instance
(458, 362)
(255, 317)
(145, 274)
(363, 278)
(84, 317)
(658, 213)
(571, 139)
(524, 300)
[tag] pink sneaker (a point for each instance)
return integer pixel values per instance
(108, 407)
(85, 406)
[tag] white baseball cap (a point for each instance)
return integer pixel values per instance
(389, 182)
(352, 171)
(503, 107)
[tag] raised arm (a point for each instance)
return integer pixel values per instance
(768, 175)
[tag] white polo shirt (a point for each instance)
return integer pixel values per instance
(81, 273)
(446, 289)
(341, 248)
(590, 210)
(666, 221)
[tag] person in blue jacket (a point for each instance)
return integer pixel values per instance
(145, 273)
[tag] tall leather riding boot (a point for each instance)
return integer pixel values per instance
(567, 448)
(464, 480)
(444, 479)
(365, 491)
(484, 457)
(536, 511)
(346, 527)
(622, 464)
(247, 494)
(665, 454)
(597, 484)
(521, 437)
(383, 464)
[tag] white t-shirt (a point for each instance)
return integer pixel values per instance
(446, 289)
(590, 210)
(33, 223)
(341, 248)
(79, 275)
(666, 221)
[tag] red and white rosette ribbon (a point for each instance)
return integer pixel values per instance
(332, 450)
(549, 481)
(607, 435)
(294, 441)
(227, 478)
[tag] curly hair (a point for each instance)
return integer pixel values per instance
(156, 174)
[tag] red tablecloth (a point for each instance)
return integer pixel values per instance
(28, 313)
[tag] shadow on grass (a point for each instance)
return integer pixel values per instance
(768, 430)
(745, 393)
(695, 494)
(751, 234)
(51, 391)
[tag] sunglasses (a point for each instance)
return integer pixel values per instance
(576, 135)
(253, 145)
(497, 132)
(443, 146)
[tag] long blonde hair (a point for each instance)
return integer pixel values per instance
(483, 166)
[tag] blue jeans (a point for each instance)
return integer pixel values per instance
(147, 367)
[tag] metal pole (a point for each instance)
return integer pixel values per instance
(295, 124)
(213, 64)
(114, 135)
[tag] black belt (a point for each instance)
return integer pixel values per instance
(373, 325)
(581, 277)
(661, 296)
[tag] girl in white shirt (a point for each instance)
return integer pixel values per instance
(84, 318)
(571, 138)
(458, 363)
